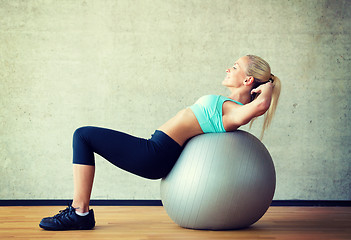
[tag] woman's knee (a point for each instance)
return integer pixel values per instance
(82, 133)
(82, 150)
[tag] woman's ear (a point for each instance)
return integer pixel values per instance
(249, 80)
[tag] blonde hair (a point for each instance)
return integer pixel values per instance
(261, 71)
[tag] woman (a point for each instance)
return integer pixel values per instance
(254, 91)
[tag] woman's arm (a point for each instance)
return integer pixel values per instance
(244, 114)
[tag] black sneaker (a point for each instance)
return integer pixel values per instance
(68, 220)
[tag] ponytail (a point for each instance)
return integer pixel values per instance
(260, 70)
(268, 116)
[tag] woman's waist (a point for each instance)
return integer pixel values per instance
(182, 126)
(164, 141)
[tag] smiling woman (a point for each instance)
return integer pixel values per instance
(154, 158)
(235, 74)
(256, 73)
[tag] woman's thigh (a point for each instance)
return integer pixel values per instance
(133, 154)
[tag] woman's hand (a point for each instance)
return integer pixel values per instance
(264, 88)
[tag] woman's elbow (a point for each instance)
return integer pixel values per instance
(262, 106)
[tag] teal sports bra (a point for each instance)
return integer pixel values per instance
(208, 112)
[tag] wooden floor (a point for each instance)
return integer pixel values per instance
(153, 223)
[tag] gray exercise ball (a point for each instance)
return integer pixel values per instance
(221, 181)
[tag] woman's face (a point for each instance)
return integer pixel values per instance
(236, 75)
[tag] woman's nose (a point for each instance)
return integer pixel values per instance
(228, 70)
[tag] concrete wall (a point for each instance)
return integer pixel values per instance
(131, 65)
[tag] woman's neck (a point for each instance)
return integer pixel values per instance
(240, 95)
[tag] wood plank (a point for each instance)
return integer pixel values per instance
(147, 222)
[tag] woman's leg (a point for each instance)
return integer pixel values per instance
(105, 142)
(133, 154)
(123, 150)
(83, 177)
(130, 153)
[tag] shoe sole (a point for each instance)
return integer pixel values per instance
(64, 229)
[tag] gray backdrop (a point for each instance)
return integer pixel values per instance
(131, 65)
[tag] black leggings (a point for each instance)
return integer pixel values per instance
(150, 158)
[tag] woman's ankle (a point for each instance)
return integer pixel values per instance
(81, 207)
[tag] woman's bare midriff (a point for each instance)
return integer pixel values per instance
(182, 126)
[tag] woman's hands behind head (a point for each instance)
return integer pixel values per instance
(263, 88)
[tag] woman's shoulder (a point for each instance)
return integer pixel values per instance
(208, 97)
